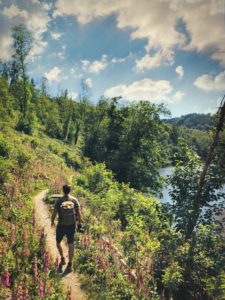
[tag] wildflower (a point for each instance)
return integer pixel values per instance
(12, 238)
(105, 248)
(26, 294)
(6, 278)
(25, 237)
(41, 289)
(46, 261)
(105, 264)
(19, 293)
(35, 270)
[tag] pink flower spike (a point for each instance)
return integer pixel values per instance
(26, 294)
(41, 289)
(6, 278)
(46, 259)
(12, 238)
(19, 293)
(35, 270)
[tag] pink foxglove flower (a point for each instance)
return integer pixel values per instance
(26, 294)
(35, 270)
(46, 261)
(12, 238)
(6, 278)
(41, 289)
(19, 293)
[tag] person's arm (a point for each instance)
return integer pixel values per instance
(54, 213)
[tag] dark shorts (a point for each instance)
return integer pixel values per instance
(62, 230)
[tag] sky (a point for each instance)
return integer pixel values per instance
(162, 51)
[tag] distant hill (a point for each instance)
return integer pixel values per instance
(195, 121)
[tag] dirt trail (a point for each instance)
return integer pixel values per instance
(70, 281)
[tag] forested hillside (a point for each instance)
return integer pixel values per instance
(195, 121)
(134, 247)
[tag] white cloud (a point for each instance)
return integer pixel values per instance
(116, 60)
(208, 83)
(177, 97)
(13, 11)
(73, 95)
(33, 16)
(156, 21)
(146, 89)
(53, 74)
(89, 83)
(47, 6)
(180, 71)
(72, 71)
(61, 55)
(161, 57)
(85, 63)
(56, 35)
(96, 66)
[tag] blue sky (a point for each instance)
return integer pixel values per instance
(170, 51)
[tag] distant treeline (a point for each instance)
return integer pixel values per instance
(195, 121)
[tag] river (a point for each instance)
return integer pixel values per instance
(165, 193)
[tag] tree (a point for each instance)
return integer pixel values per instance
(22, 43)
(140, 153)
(184, 182)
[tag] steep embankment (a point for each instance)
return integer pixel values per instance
(70, 281)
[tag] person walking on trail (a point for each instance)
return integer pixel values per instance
(69, 219)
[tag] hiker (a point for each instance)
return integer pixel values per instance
(69, 219)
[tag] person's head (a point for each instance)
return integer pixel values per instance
(66, 189)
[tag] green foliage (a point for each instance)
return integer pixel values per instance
(184, 182)
(202, 122)
(129, 140)
(173, 276)
(5, 148)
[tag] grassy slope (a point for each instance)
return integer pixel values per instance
(28, 164)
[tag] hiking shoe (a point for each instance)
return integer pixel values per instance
(68, 268)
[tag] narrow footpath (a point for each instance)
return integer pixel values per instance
(70, 281)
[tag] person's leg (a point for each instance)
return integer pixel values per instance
(60, 249)
(70, 240)
(71, 252)
(59, 236)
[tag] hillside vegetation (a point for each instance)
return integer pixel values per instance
(202, 122)
(134, 247)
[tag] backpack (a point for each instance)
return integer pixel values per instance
(67, 212)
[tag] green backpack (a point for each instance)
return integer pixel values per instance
(67, 211)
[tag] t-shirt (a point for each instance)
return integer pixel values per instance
(59, 201)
